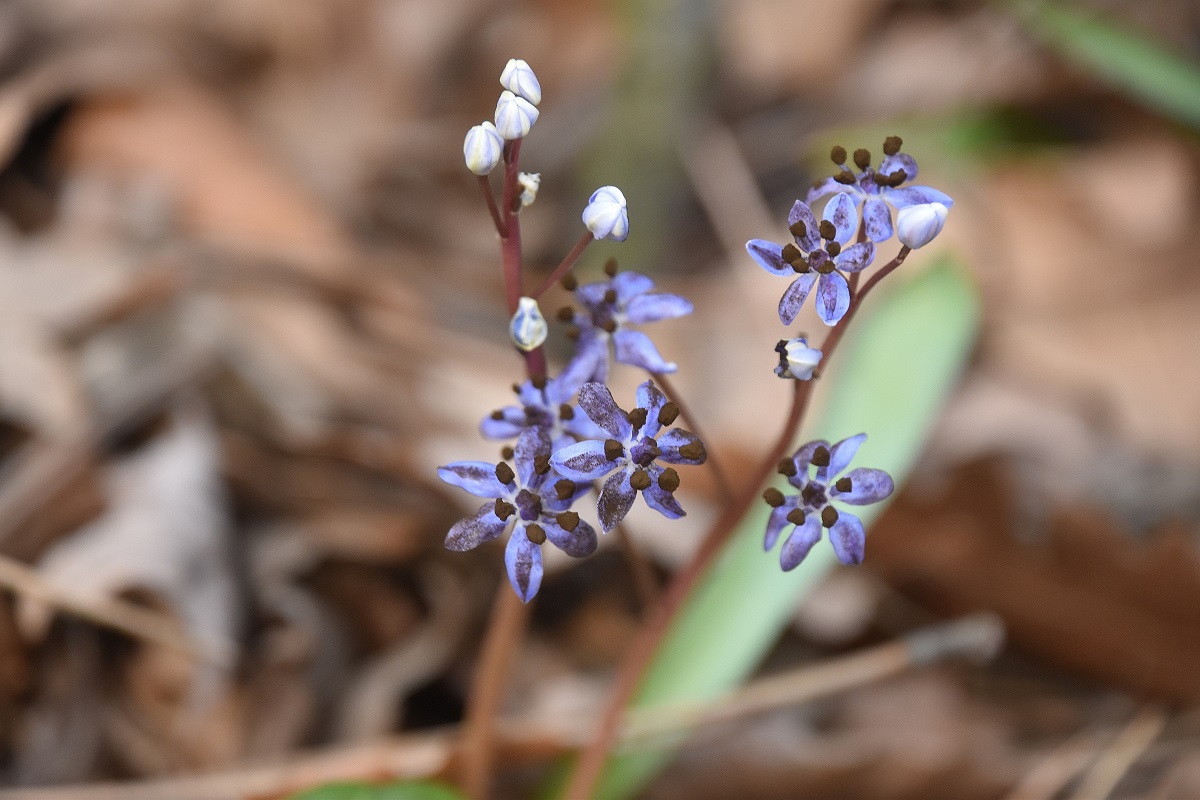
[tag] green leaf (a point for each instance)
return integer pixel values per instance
(1132, 62)
(907, 351)
(416, 790)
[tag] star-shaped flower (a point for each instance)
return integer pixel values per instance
(816, 262)
(632, 454)
(534, 496)
(811, 509)
(545, 404)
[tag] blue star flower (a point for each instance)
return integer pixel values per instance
(545, 404)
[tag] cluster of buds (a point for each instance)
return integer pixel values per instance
(516, 111)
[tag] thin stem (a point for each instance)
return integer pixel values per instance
(641, 651)
(490, 199)
(505, 629)
(723, 484)
(565, 267)
(510, 244)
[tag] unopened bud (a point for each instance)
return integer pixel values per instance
(482, 148)
(528, 328)
(797, 360)
(917, 226)
(529, 182)
(519, 79)
(514, 116)
(606, 215)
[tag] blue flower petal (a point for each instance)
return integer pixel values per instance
(778, 521)
(661, 501)
(803, 456)
(899, 161)
(824, 188)
(597, 402)
(578, 543)
(848, 538)
(670, 442)
(833, 298)
(584, 461)
(480, 527)
(591, 295)
(616, 498)
(867, 486)
(629, 285)
(800, 542)
(843, 213)
(477, 477)
(651, 398)
(591, 356)
(523, 560)
(769, 256)
(509, 427)
(877, 219)
(793, 299)
(658, 305)
(636, 349)
(916, 195)
(856, 257)
(840, 456)
(534, 443)
(811, 239)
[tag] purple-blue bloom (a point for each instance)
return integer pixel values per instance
(548, 407)
(609, 308)
(815, 262)
(811, 509)
(876, 189)
(631, 455)
(535, 496)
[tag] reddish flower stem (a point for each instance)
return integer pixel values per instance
(490, 199)
(723, 484)
(650, 636)
(565, 267)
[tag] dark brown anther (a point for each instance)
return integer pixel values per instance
(497, 415)
(892, 145)
(820, 456)
(637, 417)
(538, 381)
(610, 296)
(613, 449)
(610, 326)
(569, 282)
(693, 451)
(504, 473)
(566, 314)
(829, 516)
(797, 229)
(567, 520)
(787, 467)
(896, 178)
(862, 158)
(790, 253)
(800, 266)
(828, 231)
(572, 333)
(669, 480)
(507, 452)
(651, 444)
(516, 387)
(564, 489)
(541, 464)
(610, 267)
(640, 480)
(827, 266)
(796, 516)
(845, 178)
(838, 155)
(773, 496)
(565, 412)
(535, 533)
(504, 510)
(668, 413)
(833, 248)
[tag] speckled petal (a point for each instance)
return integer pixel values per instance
(778, 521)
(651, 398)
(523, 560)
(597, 402)
(843, 213)
(533, 443)
(915, 195)
(848, 538)
(477, 477)
(657, 305)
(507, 428)
(833, 298)
(800, 542)
(636, 349)
(811, 239)
(878, 220)
(480, 527)
(661, 501)
(578, 543)
(616, 498)
(591, 354)
(629, 285)
(675, 438)
(856, 257)
(583, 461)
(803, 456)
(793, 299)
(899, 161)
(824, 188)
(840, 456)
(867, 486)
(769, 256)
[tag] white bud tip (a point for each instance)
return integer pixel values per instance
(519, 79)
(528, 328)
(483, 148)
(917, 226)
(606, 215)
(514, 116)
(796, 359)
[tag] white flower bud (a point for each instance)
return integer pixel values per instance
(482, 148)
(519, 79)
(606, 216)
(916, 226)
(514, 116)
(529, 182)
(796, 359)
(528, 328)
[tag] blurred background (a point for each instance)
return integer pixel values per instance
(250, 298)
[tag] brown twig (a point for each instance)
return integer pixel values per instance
(723, 484)
(562, 269)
